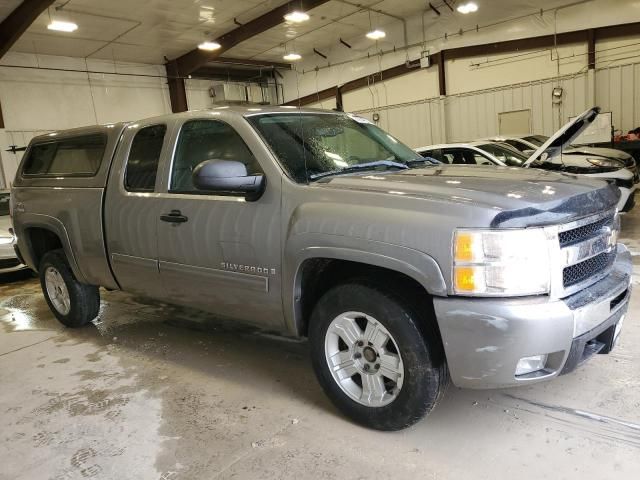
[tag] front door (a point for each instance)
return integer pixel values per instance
(220, 253)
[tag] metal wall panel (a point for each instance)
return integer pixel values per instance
(416, 123)
(475, 115)
(618, 92)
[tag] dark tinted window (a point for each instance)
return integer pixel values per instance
(536, 139)
(435, 154)
(202, 140)
(69, 157)
(144, 155)
(506, 154)
(464, 156)
(4, 204)
(521, 147)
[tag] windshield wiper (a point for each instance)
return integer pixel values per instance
(429, 160)
(360, 166)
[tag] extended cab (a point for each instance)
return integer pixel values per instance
(401, 271)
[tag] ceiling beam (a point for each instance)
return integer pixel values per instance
(19, 20)
(189, 62)
(507, 46)
(253, 62)
(231, 74)
(177, 91)
(358, 83)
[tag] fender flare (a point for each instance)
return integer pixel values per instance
(55, 226)
(413, 263)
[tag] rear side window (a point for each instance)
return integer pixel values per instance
(79, 156)
(144, 155)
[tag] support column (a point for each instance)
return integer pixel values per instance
(591, 63)
(442, 78)
(177, 92)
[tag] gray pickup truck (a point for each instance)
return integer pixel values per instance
(402, 272)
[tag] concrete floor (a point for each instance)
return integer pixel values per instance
(156, 392)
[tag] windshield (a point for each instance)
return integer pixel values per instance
(505, 153)
(4, 204)
(310, 146)
(537, 140)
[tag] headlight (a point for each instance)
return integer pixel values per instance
(605, 162)
(501, 262)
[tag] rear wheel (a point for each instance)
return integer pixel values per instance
(372, 359)
(73, 303)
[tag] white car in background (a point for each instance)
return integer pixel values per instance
(549, 156)
(529, 143)
(9, 261)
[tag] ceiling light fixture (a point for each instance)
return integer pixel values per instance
(292, 57)
(209, 46)
(468, 7)
(376, 34)
(61, 26)
(296, 16)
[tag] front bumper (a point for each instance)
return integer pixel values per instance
(485, 338)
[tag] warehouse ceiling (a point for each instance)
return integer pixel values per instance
(156, 30)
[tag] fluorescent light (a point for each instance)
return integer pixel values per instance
(296, 17)
(209, 46)
(376, 34)
(292, 57)
(62, 26)
(468, 7)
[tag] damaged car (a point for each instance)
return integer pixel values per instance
(551, 155)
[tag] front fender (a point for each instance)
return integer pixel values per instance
(413, 263)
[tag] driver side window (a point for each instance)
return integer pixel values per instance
(202, 140)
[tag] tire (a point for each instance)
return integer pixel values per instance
(81, 303)
(397, 401)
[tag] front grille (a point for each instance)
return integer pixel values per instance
(583, 233)
(9, 263)
(582, 271)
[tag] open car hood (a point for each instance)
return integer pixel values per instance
(562, 138)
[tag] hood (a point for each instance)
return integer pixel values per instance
(562, 139)
(540, 196)
(600, 152)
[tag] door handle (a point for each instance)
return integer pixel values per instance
(174, 217)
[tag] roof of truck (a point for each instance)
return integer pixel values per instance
(238, 110)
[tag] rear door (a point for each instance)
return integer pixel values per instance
(219, 252)
(132, 208)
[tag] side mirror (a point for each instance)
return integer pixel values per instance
(228, 176)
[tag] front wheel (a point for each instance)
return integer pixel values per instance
(371, 357)
(73, 303)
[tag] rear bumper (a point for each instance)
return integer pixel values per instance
(485, 338)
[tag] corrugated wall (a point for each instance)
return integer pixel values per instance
(474, 115)
(618, 91)
(416, 124)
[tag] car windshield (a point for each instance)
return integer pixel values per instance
(505, 153)
(310, 146)
(4, 204)
(537, 140)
